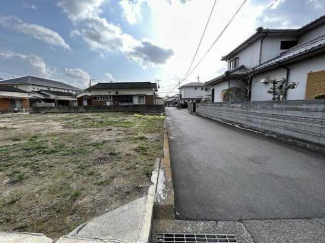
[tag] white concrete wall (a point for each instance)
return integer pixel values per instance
(320, 30)
(298, 73)
(29, 88)
(218, 88)
(191, 93)
(249, 56)
(123, 92)
(259, 90)
(272, 46)
(4, 94)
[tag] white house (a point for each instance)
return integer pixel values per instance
(120, 93)
(195, 90)
(297, 55)
(45, 92)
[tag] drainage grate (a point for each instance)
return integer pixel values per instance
(194, 238)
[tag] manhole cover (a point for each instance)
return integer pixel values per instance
(194, 238)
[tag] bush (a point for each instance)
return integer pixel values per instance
(234, 94)
(320, 96)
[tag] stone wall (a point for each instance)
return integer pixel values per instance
(300, 120)
(146, 109)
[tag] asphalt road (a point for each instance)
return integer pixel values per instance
(226, 173)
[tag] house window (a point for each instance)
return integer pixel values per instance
(207, 89)
(195, 88)
(141, 99)
(234, 63)
(285, 45)
(116, 92)
(202, 89)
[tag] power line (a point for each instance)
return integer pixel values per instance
(4, 71)
(222, 32)
(24, 50)
(205, 28)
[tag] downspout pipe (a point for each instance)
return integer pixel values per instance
(261, 48)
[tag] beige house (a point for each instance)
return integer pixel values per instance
(119, 93)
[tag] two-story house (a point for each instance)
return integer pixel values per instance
(120, 93)
(192, 91)
(297, 55)
(45, 92)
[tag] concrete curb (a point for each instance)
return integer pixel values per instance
(145, 233)
(24, 237)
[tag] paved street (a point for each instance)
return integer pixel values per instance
(226, 173)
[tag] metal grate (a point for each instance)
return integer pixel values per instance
(194, 238)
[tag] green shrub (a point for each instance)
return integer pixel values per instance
(319, 96)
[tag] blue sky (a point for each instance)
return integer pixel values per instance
(131, 40)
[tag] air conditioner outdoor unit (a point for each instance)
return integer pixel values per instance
(265, 80)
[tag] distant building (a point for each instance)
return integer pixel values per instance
(45, 92)
(172, 101)
(193, 91)
(13, 99)
(119, 93)
(297, 55)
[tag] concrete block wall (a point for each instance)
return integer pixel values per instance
(146, 109)
(303, 119)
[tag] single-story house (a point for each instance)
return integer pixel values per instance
(13, 99)
(294, 55)
(119, 93)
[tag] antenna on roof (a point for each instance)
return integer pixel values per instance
(90, 80)
(198, 79)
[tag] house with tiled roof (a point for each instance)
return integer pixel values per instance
(192, 91)
(119, 93)
(296, 55)
(45, 92)
(13, 99)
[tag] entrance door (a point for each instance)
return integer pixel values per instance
(84, 103)
(212, 94)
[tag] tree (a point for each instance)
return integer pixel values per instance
(279, 89)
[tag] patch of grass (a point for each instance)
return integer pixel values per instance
(147, 171)
(103, 182)
(75, 194)
(113, 153)
(16, 176)
(91, 172)
(141, 150)
(11, 201)
(140, 138)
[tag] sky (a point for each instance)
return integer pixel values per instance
(133, 40)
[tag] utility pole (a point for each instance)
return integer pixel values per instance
(179, 88)
(90, 82)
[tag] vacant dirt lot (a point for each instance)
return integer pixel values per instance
(60, 170)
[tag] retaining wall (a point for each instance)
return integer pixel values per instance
(302, 119)
(147, 109)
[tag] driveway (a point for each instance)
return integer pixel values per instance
(226, 173)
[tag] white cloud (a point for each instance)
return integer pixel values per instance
(150, 53)
(109, 77)
(132, 10)
(78, 74)
(78, 10)
(36, 31)
(108, 38)
(30, 6)
(27, 65)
